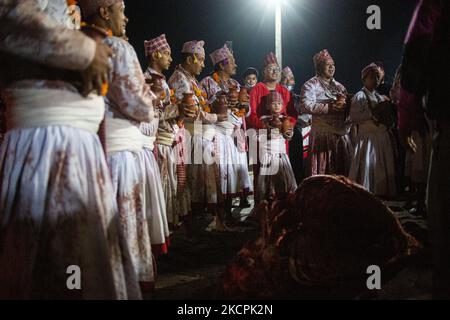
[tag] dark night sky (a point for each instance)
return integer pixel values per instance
(308, 26)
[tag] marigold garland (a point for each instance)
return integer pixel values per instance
(104, 89)
(216, 78)
(197, 92)
(201, 95)
(240, 113)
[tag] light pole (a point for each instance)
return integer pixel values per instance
(278, 38)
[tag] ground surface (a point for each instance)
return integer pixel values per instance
(194, 266)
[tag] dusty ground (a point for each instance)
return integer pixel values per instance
(193, 267)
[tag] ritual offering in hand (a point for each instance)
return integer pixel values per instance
(287, 124)
(189, 104)
(98, 34)
(244, 97)
(188, 99)
(341, 97)
(384, 113)
(156, 83)
(240, 112)
(233, 96)
(244, 100)
(220, 105)
(275, 122)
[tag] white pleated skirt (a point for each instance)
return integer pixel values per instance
(373, 164)
(155, 205)
(168, 170)
(58, 210)
(202, 171)
(129, 182)
(276, 178)
(233, 168)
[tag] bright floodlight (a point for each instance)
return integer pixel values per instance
(272, 2)
(277, 4)
(278, 41)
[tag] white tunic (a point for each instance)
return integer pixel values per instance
(129, 102)
(199, 146)
(165, 139)
(276, 178)
(373, 160)
(233, 167)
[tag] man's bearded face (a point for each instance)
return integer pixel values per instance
(230, 67)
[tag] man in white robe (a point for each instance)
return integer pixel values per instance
(58, 214)
(128, 103)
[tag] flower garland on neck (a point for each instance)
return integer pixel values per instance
(216, 77)
(202, 96)
(219, 81)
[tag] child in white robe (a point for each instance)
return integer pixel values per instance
(276, 178)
